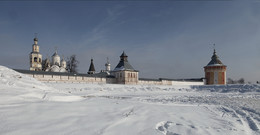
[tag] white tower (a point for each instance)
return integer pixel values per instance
(63, 63)
(107, 65)
(35, 56)
(56, 59)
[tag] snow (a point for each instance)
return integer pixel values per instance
(28, 106)
(120, 68)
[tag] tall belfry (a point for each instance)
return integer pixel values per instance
(35, 56)
(215, 71)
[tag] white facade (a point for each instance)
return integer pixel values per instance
(108, 66)
(56, 59)
(35, 57)
(63, 63)
(56, 65)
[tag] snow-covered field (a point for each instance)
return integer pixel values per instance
(28, 106)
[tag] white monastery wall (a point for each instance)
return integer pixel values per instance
(65, 78)
(85, 79)
(146, 82)
(186, 83)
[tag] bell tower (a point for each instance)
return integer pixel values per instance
(35, 56)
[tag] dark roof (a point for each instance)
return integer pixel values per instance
(91, 67)
(180, 80)
(124, 64)
(123, 54)
(100, 75)
(214, 60)
(189, 80)
(148, 79)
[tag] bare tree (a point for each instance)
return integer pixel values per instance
(72, 64)
(230, 81)
(241, 81)
(45, 64)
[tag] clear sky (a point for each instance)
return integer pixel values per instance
(167, 39)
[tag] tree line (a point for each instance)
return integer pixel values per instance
(239, 81)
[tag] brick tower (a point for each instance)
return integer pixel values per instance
(215, 71)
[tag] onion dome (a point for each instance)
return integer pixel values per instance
(56, 59)
(63, 63)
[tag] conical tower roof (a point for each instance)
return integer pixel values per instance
(215, 60)
(91, 68)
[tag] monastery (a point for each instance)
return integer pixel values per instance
(123, 73)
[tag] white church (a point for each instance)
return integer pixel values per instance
(55, 65)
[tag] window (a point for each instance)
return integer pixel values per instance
(35, 59)
(39, 59)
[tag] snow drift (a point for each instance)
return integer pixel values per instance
(28, 106)
(16, 87)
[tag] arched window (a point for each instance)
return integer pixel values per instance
(35, 59)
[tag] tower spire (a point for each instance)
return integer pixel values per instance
(56, 49)
(107, 65)
(214, 47)
(35, 39)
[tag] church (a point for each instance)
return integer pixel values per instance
(37, 64)
(123, 73)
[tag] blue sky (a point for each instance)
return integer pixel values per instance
(168, 39)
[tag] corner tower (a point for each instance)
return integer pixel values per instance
(215, 71)
(35, 56)
(124, 72)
